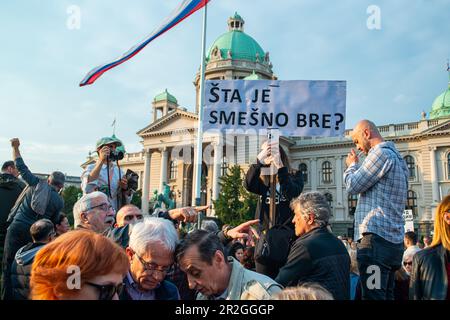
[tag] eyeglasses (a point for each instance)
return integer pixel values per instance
(131, 216)
(152, 267)
(107, 291)
(407, 263)
(103, 207)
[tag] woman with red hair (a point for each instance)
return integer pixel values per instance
(78, 265)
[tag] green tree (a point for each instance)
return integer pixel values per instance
(235, 204)
(70, 195)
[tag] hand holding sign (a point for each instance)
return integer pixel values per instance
(264, 155)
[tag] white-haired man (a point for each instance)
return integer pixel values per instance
(94, 212)
(151, 255)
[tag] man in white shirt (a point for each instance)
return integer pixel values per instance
(105, 175)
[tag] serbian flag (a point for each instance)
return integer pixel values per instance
(186, 8)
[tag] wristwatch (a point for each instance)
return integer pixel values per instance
(225, 232)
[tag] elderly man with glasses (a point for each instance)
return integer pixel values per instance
(93, 212)
(151, 255)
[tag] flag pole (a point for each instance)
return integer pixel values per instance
(199, 150)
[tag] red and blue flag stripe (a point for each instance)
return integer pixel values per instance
(186, 8)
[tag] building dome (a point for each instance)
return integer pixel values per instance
(441, 105)
(165, 96)
(236, 44)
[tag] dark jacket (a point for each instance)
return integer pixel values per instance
(318, 256)
(166, 291)
(25, 214)
(10, 189)
(21, 270)
(290, 187)
(429, 274)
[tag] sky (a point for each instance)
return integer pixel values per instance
(393, 71)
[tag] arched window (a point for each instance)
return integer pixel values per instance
(411, 202)
(173, 169)
(411, 164)
(303, 168)
(326, 172)
(352, 202)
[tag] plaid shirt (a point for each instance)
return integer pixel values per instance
(382, 184)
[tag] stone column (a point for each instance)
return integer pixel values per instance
(146, 185)
(218, 151)
(164, 160)
(339, 192)
(434, 175)
(314, 175)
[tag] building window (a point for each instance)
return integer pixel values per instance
(352, 202)
(411, 164)
(304, 170)
(448, 165)
(224, 166)
(173, 169)
(411, 202)
(326, 172)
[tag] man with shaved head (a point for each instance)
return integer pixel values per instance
(381, 181)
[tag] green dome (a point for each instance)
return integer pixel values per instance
(236, 41)
(441, 105)
(241, 45)
(165, 96)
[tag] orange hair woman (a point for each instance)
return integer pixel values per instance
(78, 265)
(431, 266)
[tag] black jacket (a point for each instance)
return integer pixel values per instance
(429, 275)
(318, 256)
(21, 270)
(290, 187)
(10, 189)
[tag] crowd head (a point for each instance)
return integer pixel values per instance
(78, 265)
(202, 257)
(311, 210)
(93, 211)
(128, 214)
(10, 168)
(442, 224)
(150, 251)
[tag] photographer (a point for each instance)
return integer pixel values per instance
(105, 175)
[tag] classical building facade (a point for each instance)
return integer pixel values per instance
(169, 140)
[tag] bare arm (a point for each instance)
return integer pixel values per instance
(102, 156)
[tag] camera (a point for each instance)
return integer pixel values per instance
(115, 155)
(132, 180)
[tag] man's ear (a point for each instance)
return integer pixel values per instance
(218, 258)
(83, 217)
(129, 253)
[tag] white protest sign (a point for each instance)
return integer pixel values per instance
(296, 108)
(409, 220)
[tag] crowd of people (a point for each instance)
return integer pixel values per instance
(288, 252)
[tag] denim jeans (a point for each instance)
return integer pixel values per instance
(378, 259)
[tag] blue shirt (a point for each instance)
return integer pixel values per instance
(382, 184)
